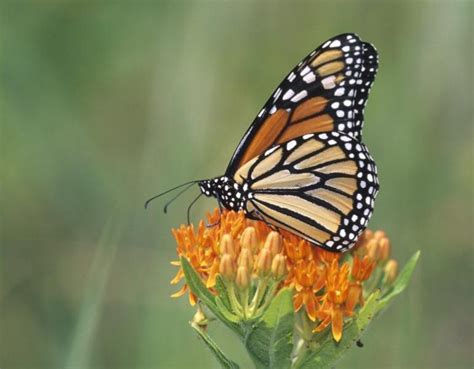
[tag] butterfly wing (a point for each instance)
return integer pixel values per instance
(325, 92)
(319, 186)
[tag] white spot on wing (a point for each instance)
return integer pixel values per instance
(329, 82)
(270, 150)
(299, 96)
(290, 145)
(310, 77)
(288, 94)
(277, 94)
(305, 71)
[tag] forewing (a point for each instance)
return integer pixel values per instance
(325, 92)
(319, 186)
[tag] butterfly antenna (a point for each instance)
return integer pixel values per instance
(190, 206)
(170, 190)
(165, 208)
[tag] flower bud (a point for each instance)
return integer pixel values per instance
(248, 240)
(391, 270)
(384, 246)
(243, 277)
(279, 266)
(227, 267)
(200, 318)
(264, 262)
(362, 267)
(354, 296)
(366, 236)
(373, 249)
(378, 235)
(273, 243)
(227, 245)
(245, 259)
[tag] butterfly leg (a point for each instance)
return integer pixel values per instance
(213, 224)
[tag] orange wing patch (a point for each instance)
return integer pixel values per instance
(330, 68)
(268, 133)
(325, 57)
(320, 123)
(309, 107)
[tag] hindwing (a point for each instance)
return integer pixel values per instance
(319, 186)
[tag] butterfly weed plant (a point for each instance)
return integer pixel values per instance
(296, 300)
(291, 304)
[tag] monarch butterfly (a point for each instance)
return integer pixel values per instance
(301, 165)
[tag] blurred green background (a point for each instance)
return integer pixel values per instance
(105, 104)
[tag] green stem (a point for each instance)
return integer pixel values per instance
(259, 293)
(304, 325)
(303, 335)
(244, 300)
(234, 301)
(270, 293)
(225, 362)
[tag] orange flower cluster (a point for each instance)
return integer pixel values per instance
(206, 247)
(329, 286)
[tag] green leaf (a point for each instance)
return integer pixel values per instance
(200, 290)
(401, 282)
(330, 351)
(225, 362)
(196, 284)
(222, 290)
(270, 340)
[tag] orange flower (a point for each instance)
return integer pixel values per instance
(362, 268)
(334, 309)
(249, 253)
(309, 279)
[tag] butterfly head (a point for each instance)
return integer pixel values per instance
(207, 187)
(228, 192)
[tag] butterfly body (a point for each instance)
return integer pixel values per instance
(301, 165)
